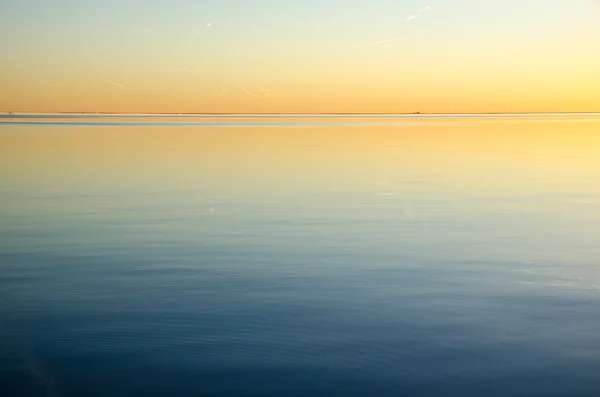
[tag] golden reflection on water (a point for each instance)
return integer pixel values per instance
(479, 153)
(508, 186)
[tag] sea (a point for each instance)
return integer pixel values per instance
(299, 255)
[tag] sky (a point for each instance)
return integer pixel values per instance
(300, 56)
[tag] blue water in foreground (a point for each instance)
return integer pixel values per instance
(414, 257)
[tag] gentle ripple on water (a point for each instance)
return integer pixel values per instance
(314, 261)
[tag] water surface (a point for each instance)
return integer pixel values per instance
(299, 255)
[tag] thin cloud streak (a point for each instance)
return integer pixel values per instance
(389, 41)
(265, 89)
(115, 83)
(208, 25)
(379, 42)
(246, 91)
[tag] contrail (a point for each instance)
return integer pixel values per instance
(246, 91)
(410, 17)
(379, 42)
(265, 89)
(427, 8)
(390, 40)
(251, 93)
(208, 25)
(116, 84)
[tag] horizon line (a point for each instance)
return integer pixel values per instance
(291, 113)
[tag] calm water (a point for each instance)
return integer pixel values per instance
(308, 256)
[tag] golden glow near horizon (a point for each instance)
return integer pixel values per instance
(473, 148)
(328, 56)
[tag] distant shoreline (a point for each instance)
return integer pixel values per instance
(15, 113)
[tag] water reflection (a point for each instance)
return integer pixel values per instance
(423, 256)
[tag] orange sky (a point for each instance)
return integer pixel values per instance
(306, 57)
